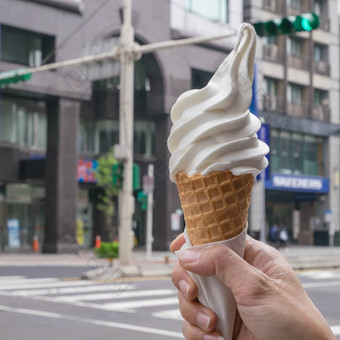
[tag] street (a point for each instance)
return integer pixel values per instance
(36, 306)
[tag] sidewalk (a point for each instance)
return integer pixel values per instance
(161, 263)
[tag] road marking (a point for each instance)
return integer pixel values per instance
(174, 314)
(140, 303)
(11, 277)
(74, 290)
(91, 321)
(46, 285)
(322, 274)
(336, 329)
(116, 295)
(27, 281)
(321, 284)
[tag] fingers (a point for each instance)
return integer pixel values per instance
(192, 332)
(184, 283)
(177, 243)
(221, 261)
(197, 314)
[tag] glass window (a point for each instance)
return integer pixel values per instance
(200, 78)
(319, 7)
(295, 4)
(271, 86)
(20, 124)
(295, 47)
(319, 97)
(25, 47)
(215, 10)
(285, 152)
(297, 152)
(320, 53)
(271, 40)
(295, 94)
(275, 160)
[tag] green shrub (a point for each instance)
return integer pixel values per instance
(108, 250)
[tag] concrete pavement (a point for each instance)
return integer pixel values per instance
(161, 263)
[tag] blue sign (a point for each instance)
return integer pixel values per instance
(298, 183)
(13, 233)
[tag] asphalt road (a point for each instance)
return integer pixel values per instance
(35, 305)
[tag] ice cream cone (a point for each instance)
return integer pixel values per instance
(215, 205)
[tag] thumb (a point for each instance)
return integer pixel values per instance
(221, 261)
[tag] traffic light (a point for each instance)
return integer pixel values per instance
(12, 77)
(117, 175)
(287, 25)
(135, 177)
(142, 198)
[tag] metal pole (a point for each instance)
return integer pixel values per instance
(126, 199)
(149, 216)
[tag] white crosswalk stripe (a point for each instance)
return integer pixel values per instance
(118, 297)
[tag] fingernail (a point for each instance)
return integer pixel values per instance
(212, 337)
(184, 287)
(203, 320)
(189, 256)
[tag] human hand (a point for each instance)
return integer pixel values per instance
(271, 301)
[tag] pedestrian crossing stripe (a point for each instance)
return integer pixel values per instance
(173, 314)
(114, 295)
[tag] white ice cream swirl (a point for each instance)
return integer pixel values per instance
(213, 130)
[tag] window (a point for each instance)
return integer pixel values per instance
(319, 7)
(296, 153)
(295, 4)
(271, 86)
(25, 47)
(200, 78)
(320, 98)
(215, 10)
(320, 53)
(295, 94)
(20, 123)
(271, 40)
(294, 47)
(98, 137)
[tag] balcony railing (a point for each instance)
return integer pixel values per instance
(321, 67)
(299, 61)
(273, 103)
(324, 22)
(321, 112)
(273, 53)
(299, 110)
(275, 6)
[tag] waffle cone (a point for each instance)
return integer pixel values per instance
(215, 206)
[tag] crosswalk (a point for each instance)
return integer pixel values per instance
(118, 296)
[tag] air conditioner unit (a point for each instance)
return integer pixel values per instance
(322, 67)
(270, 5)
(270, 103)
(271, 52)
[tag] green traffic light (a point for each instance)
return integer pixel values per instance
(287, 25)
(309, 21)
(12, 77)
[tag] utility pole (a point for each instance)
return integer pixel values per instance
(126, 124)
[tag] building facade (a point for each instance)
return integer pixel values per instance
(54, 127)
(298, 96)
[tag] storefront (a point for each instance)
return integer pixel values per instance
(299, 204)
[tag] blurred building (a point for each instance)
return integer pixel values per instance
(298, 97)
(54, 126)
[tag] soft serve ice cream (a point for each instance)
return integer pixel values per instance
(213, 130)
(215, 157)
